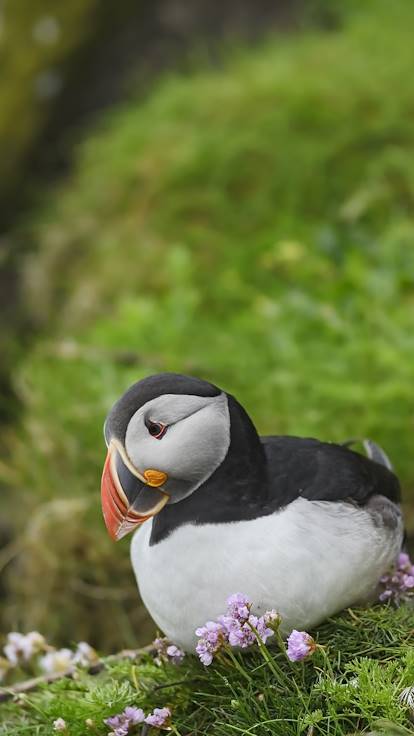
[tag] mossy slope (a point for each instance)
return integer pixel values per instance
(252, 225)
(355, 689)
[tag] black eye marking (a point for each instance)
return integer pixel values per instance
(156, 429)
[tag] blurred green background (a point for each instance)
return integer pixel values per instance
(222, 191)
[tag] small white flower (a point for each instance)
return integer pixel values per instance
(58, 661)
(14, 647)
(59, 724)
(20, 646)
(407, 698)
(33, 644)
(85, 655)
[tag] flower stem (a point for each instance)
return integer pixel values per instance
(238, 665)
(265, 652)
(326, 660)
(173, 729)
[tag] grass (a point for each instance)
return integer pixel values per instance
(251, 224)
(349, 687)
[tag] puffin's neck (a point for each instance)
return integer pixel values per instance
(236, 491)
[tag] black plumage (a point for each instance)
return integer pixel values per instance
(263, 474)
(324, 471)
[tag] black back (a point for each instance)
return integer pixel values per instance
(325, 471)
(261, 475)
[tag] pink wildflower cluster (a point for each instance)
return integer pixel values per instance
(237, 627)
(398, 585)
(167, 652)
(131, 717)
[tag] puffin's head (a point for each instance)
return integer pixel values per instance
(165, 436)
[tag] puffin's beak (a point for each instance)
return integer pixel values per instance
(128, 498)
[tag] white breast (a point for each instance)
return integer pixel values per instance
(309, 560)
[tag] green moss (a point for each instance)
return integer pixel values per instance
(350, 686)
(252, 225)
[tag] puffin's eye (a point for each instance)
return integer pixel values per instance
(156, 429)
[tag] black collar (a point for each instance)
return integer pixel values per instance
(237, 490)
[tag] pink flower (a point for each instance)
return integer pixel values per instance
(241, 625)
(134, 715)
(59, 725)
(264, 622)
(212, 637)
(403, 560)
(242, 635)
(237, 627)
(175, 654)
(408, 581)
(159, 718)
(238, 606)
(120, 723)
(167, 652)
(398, 584)
(300, 645)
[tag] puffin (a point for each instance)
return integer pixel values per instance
(298, 525)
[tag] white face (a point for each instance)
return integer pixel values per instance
(193, 445)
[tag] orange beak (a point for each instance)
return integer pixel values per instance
(128, 498)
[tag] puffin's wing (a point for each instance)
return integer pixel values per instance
(321, 471)
(373, 451)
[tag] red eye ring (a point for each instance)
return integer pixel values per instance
(156, 429)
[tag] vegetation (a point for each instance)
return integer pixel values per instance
(62, 64)
(38, 39)
(252, 225)
(351, 685)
